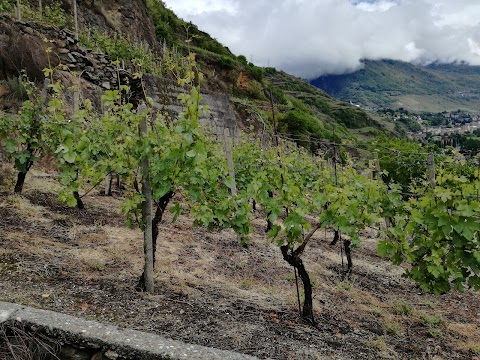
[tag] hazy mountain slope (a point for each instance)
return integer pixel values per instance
(389, 83)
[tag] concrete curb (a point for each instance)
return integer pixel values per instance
(123, 343)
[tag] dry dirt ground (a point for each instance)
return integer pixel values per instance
(212, 292)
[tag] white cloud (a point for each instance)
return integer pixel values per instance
(312, 37)
(378, 6)
(198, 7)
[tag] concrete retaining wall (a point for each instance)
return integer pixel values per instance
(106, 341)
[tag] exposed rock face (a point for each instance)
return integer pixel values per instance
(243, 80)
(24, 46)
(128, 17)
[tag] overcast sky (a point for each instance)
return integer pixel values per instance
(308, 38)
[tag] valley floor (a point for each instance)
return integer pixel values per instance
(212, 292)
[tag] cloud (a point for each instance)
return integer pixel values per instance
(374, 6)
(312, 37)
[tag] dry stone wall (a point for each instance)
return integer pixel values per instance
(24, 45)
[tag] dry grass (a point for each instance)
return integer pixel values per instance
(7, 176)
(38, 179)
(467, 335)
(23, 208)
(211, 267)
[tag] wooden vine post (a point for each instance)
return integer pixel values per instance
(18, 11)
(146, 208)
(231, 166)
(76, 107)
(76, 99)
(108, 178)
(431, 169)
(228, 151)
(40, 8)
(108, 185)
(75, 18)
(378, 174)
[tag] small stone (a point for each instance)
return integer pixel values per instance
(60, 43)
(106, 85)
(71, 58)
(90, 76)
(28, 30)
(111, 355)
(4, 315)
(74, 353)
(78, 55)
(63, 51)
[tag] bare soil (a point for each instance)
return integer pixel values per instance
(212, 292)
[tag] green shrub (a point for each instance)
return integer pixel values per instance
(410, 124)
(255, 91)
(16, 87)
(353, 118)
(304, 128)
(270, 71)
(256, 72)
(400, 130)
(402, 160)
(205, 42)
(401, 307)
(55, 15)
(166, 23)
(432, 321)
(5, 6)
(242, 59)
(392, 328)
(279, 95)
(226, 63)
(120, 48)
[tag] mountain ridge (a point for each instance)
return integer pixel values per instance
(393, 83)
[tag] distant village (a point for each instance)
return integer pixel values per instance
(459, 122)
(460, 129)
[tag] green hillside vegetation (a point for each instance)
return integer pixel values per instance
(390, 83)
(175, 31)
(334, 119)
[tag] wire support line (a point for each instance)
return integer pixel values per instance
(353, 145)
